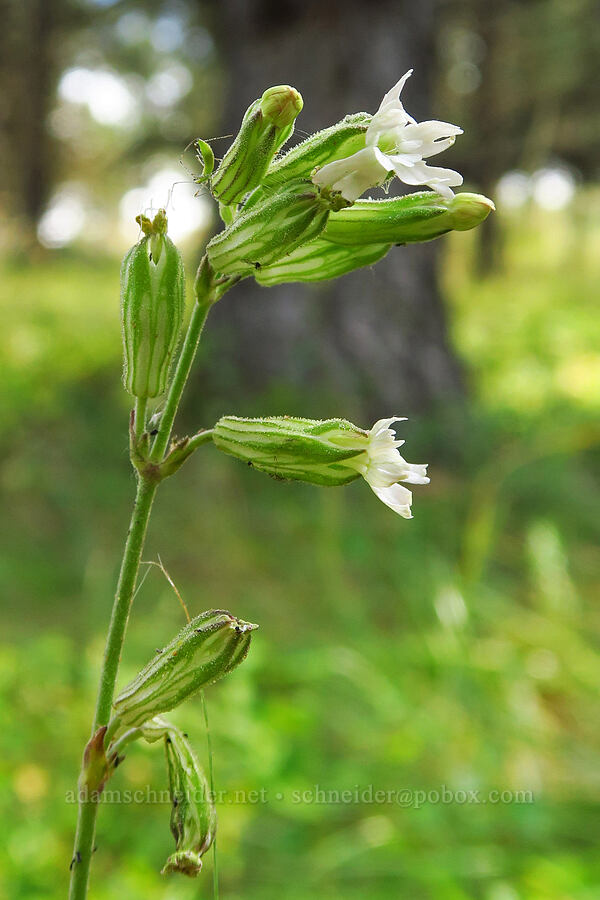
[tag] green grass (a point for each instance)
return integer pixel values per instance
(457, 650)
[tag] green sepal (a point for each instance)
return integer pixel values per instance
(295, 215)
(336, 142)
(267, 124)
(193, 814)
(319, 261)
(152, 309)
(414, 218)
(209, 647)
(296, 449)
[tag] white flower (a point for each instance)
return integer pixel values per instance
(382, 467)
(395, 143)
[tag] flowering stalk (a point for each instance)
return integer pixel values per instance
(289, 218)
(208, 289)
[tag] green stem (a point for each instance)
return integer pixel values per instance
(206, 294)
(141, 404)
(184, 364)
(88, 809)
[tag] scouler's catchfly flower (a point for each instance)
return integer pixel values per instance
(382, 467)
(331, 452)
(397, 144)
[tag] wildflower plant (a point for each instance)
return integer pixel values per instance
(287, 216)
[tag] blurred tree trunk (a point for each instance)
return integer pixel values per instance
(380, 334)
(28, 44)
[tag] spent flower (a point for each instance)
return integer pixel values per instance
(152, 307)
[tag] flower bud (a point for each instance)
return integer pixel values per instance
(152, 307)
(294, 216)
(266, 126)
(209, 647)
(422, 216)
(319, 261)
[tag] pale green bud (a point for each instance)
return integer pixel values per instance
(209, 647)
(417, 217)
(319, 261)
(338, 141)
(152, 308)
(295, 215)
(193, 814)
(267, 125)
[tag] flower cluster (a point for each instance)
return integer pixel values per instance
(278, 208)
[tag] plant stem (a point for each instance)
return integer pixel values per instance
(141, 404)
(146, 490)
(184, 364)
(88, 808)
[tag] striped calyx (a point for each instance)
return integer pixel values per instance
(267, 124)
(319, 261)
(339, 140)
(269, 231)
(152, 308)
(193, 814)
(417, 217)
(330, 453)
(319, 452)
(209, 647)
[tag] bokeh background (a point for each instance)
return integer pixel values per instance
(456, 652)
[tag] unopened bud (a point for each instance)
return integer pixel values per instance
(294, 216)
(267, 125)
(209, 647)
(294, 448)
(319, 261)
(413, 218)
(281, 105)
(152, 307)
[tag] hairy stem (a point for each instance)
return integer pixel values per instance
(146, 490)
(88, 808)
(184, 364)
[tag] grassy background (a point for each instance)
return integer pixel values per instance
(457, 650)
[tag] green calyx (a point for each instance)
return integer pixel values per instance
(417, 217)
(320, 260)
(260, 237)
(152, 308)
(318, 452)
(267, 124)
(193, 814)
(336, 142)
(209, 647)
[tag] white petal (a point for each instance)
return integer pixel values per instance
(384, 424)
(431, 130)
(355, 174)
(393, 95)
(435, 177)
(397, 498)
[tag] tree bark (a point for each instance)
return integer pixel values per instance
(380, 333)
